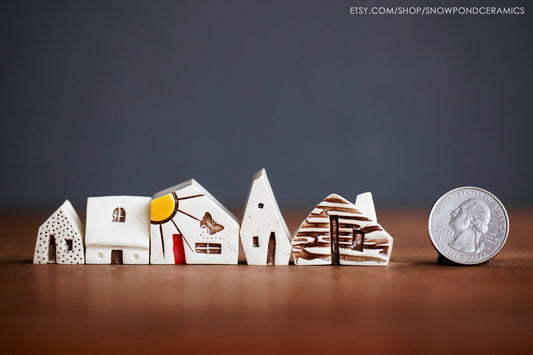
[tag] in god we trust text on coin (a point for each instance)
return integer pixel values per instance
(468, 225)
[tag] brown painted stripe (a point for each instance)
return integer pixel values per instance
(384, 249)
(347, 222)
(354, 217)
(370, 229)
(311, 234)
(342, 247)
(301, 235)
(365, 247)
(335, 199)
(312, 257)
(316, 225)
(345, 232)
(317, 245)
(313, 242)
(349, 226)
(187, 197)
(347, 209)
(360, 258)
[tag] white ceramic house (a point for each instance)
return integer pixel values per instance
(337, 232)
(264, 234)
(60, 238)
(118, 230)
(188, 225)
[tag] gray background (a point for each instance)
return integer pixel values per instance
(130, 97)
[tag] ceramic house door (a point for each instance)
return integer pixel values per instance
(271, 249)
(179, 250)
(52, 250)
(117, 257)
(334, 233)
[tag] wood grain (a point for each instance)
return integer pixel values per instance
(412, 306)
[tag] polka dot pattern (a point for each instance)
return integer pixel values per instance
(60, 229)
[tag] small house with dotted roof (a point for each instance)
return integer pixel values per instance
(60, 238)
(118, 230)
(189, 225)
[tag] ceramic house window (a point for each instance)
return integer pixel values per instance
(358, 240)
(119, 215)
(68, 244)
(208, 248)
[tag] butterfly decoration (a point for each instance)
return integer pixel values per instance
(212, 226)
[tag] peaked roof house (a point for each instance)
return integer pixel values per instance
(118, 230)
(336, 232)
(264, 234)
(60, 238)
(188, 225)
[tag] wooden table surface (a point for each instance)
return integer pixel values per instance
(412, 306)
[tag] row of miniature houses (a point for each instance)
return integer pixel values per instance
(185, 224)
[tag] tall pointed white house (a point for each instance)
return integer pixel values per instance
(264, 234)
(189, 226)
(61, 238)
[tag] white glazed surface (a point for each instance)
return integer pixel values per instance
(101, 254)
(63, 224)
(156, 249)
(365, 204)
(261, 222)
(193, 232)
(131, 236)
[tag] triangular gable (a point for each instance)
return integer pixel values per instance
(262, 177)
(186, 218)
(199, 187)
(60, 238)
(73, 217)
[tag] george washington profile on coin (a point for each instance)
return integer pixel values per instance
(469, 222)
(468, 225)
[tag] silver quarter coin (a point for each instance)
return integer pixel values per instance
(468, 225)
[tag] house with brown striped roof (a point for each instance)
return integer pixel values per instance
(336, 232)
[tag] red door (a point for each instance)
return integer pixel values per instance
(179, 250)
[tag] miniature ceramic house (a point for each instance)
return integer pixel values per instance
(60, 238)
(118, 230)
(336, 232)
(264, 235)
(188, 225)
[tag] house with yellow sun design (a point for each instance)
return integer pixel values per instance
(188, 225)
